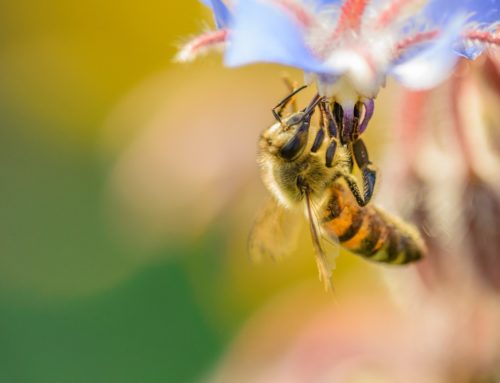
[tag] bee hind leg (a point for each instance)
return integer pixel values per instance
(368, 171)
(353, 187)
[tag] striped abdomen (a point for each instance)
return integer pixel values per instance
(368, 231)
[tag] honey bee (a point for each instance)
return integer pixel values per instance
(300, 181)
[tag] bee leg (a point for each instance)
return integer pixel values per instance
(330, 153)
(349, 158)
(353, 187)
(367, 169)
(318, 140)
(278, 109)
(320, 135)
(369, 179)
(326, 120)
(330, 122)
(338, 115)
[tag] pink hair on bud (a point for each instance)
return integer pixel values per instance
(351, 14)
(201, 44)
(485, 37)
(390, 13)
(417, 38)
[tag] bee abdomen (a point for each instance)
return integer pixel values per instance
(400, 247)
(369, 232)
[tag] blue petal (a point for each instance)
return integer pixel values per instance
(262, 32)
(222, 14)
(322, 3)
(481, 11)
(434, 63)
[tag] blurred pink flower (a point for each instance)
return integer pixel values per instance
(369, 340)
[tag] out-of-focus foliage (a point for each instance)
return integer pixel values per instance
(77, 302)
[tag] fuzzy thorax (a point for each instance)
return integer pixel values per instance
(281, 176)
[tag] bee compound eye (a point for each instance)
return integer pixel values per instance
(294, 119)
(295, 146)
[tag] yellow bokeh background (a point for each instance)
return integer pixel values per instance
(128, 185)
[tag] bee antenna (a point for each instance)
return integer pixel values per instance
(314, 103)
(278, 109)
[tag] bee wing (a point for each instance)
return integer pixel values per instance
(275, 231)
(325, 249)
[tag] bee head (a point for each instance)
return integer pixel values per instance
(287, 139)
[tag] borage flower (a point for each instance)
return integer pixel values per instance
(349, 48)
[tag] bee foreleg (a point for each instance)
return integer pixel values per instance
(320, 135)
(330, 119)
(318, 140)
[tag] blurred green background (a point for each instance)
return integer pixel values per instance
(94, 287)
(64, 317)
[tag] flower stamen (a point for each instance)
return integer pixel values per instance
(351, 14)
(417, 38)
(486, 37)
(392, 12)
(350, 19)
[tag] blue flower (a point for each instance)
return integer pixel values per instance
(349, 47)
(222, 14)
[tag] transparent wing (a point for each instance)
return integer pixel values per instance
(326, 250)
(275, 231)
